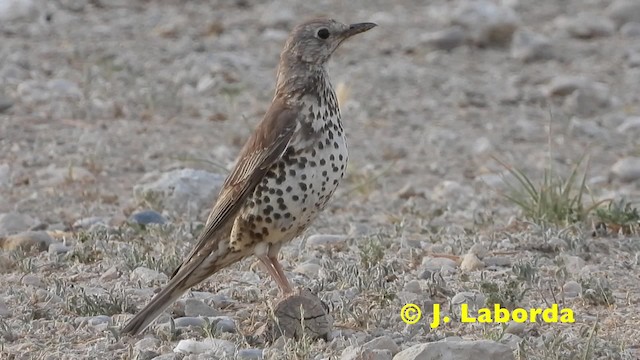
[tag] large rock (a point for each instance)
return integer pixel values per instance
(455, 350)
(183, 191)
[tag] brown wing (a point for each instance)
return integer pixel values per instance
(265, 146)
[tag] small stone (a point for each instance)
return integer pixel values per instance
(250, 354)
(88, 222)
(440, 350)
(147, 276)
(99, 320)
(32, 280)
(321, 240)
(630, 29)
(5, 174)
(573, 264)
(478, 250)
(147, 217)
(470, 263)
(194, 307)
(438, 263)
(148, 343)
(516, 328)
(629, 124)
(481, 145)
(586, 26)
(308, 269)
(408, 191)
(12, 10)
(5, 104)
(572, 289)
(11, 223)
(511, 340)
(39, 240)
(180, 191)
(59, 248)
(528, 46)
(497, 261)
(187, 321)
(446, 39)
(563, 85)
(474, 300)
(223, 324)
(4, 310)
(111, 274)
(360, 353)
(588, 100)
(413, 286)
(382, 343)
(64, 88)
(487, 23)
(213, 347)
(626, 169)
(624, 11)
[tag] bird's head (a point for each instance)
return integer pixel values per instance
(314, 41)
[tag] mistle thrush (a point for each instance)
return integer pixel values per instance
(285, 173)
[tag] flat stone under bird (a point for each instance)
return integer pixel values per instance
(284, 176)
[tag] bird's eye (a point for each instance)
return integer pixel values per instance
(323, 33)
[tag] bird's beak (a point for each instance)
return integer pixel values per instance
(357, 29)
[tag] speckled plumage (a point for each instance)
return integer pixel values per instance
(285, 174)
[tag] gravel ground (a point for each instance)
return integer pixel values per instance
(102, 103)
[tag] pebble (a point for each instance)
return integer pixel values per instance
(147, 276)
(588, 100)
(470, 263)
(446, 39)
(182, 191)
(88, 222)
(5, 172)
(188, 321)
(320, 240)
(250, 354)
(214, 347)
(308, 269)
(413, 286)
(624, 11)
(99, 320)
(573, 264)
(148, 343)
(39, 240)
(11, 223)
(5, 103)
(12, 10)
(476, 350)
(486, 23)
(32, 280)
(111, 274)
(438, 263)
(59, 248)
(626, 169)
(586, 26)
(195, 307)
(630, 29)
(629, 124)
(497, 261)
(475, 300)
(478, 250)
(358, 353)
(528, 46)
(147, 217)
(572, 289)
(516, 328)
(383, 343)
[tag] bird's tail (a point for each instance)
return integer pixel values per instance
(158, 304)
(189, 274)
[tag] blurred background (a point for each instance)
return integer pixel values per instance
(116, 111)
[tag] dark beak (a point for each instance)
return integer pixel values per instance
(358, 28)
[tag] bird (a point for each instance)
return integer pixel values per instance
(284, 175)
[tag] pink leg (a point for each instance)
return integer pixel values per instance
(274, 269)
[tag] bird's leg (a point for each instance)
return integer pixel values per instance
(275, 270)
(273, 252)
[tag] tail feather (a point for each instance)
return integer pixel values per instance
(151, 312)
(189, 274)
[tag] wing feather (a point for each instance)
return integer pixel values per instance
(263, 149)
